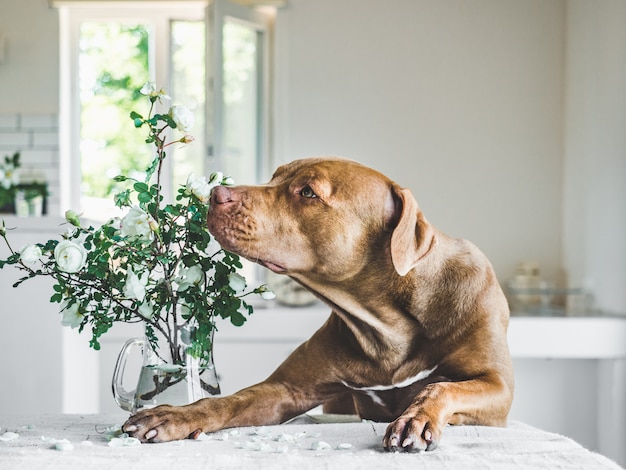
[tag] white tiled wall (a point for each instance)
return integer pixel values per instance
(36, 137)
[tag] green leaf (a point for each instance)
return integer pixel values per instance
(168, 119)
(152, 168)
(144, 197)
(141, 187)
(237, 319)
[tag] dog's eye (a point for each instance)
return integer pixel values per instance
(307, 192)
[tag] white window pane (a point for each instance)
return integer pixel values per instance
(188, 88)
(113, 65)
(241, 113)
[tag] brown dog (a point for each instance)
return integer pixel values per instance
(417, 335)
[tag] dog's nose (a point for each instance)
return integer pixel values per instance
(221, 195)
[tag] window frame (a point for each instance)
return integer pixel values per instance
(159, 15)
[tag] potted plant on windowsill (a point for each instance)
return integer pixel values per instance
(30, 198)
(22, 192)
(157, 265)
(8, 182)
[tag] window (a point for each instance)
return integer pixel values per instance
(109, 50)
(240, 84)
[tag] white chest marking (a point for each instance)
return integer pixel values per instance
(421, 375)
(375, 398)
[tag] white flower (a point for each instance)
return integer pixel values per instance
(182, 116)
(200, 187)
(71, 315)
(149, 89)
(236, 282)
(137, 223)
(135, 287)
(30, 254)
(146, 310)
(70, 257)
(188, 277)
(8, 176)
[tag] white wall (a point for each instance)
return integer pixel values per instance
(595, 150)
(460, 101)
(29, 74)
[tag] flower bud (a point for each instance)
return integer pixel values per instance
(266, 292)
(72, 217)
(153, 224)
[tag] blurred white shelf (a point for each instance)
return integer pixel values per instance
(529, 337)
(568, 337)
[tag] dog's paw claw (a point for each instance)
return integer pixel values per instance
(414, 435)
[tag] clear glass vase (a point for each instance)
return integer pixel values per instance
(169, 374)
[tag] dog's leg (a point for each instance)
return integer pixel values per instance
(484, 401)
(302, 382)
(343, 405)
(262, 404)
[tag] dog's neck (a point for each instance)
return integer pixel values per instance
(378, 325)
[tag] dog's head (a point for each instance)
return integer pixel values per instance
(322, 218)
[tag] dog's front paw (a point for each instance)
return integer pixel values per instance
(411, 433)
(161, 424)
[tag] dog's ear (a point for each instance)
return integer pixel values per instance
(413, 237)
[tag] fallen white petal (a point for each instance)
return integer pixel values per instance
(114, 431)
(259, 446)
(63, 445)
(285, 438)
(9, 436)
(262, 431)
(124, 442)
(320, 445)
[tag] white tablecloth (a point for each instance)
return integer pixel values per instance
(82, 442)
